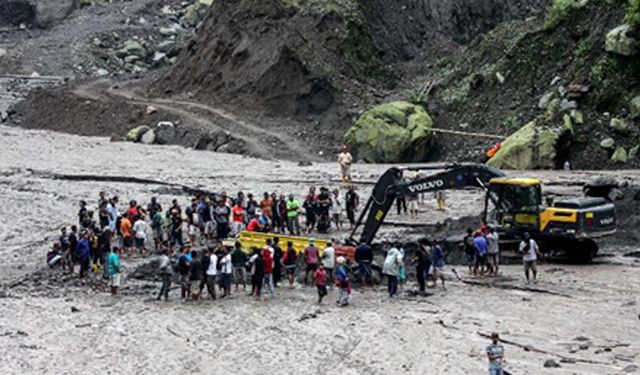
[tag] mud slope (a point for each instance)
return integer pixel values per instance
(315, 59)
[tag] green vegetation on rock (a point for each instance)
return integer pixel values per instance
(531, 147)
(135, 134)
(619, 155)
(391, 132)
(618, 41)
(560, 9)
(619, 125)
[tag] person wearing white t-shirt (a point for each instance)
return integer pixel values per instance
(140, 233)
(211, 273)
(329, 260)
(226, 271)
(530, 250)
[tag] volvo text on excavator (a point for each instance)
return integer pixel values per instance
(512, 205)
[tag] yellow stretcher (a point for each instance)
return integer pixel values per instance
(249, 240)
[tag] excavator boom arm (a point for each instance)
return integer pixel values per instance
(393, 184)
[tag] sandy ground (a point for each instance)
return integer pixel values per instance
(577, 312)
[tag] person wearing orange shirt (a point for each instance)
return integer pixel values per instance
(127, 234)
(266, 205)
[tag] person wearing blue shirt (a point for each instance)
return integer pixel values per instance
(437, 260)
(83, 251)
(482, 249)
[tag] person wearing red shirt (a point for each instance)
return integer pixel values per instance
(268, 259)
(238, 214)
(254, 225)
(321, 282)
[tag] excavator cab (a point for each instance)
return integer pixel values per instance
(517, 202)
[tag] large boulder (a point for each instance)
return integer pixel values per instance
(148, 138)
(390, 133)
(135, 134)
(618, 41)
(50, 12)
(531, 147)
(165, 132)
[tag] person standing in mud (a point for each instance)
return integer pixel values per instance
(391, 269)
(320, 278)
(344, 160)
(210, 270)
(364, 258)
(310, 206)
(351, 203)
(482, 248)
(290, 260)
(469, 250)
(196, 273)
(70, 256)
(114, 269)
(222, 220)
(184, 267)
(126, 229)
(423, 263)
(175, 229)
(156, 226)
(166, 272)
(329, 260)
(257, 273)
(64, 240)
(82, 213)
(140, 233)
(83, 252)
(112, 209)
(529, 249)
(293, 222)
(343, 281)
(267, 257)
(311, 259)
(277, 261)
(495, 354)
(437, 260)
(239, 260)
(494, 251)
(226, 271)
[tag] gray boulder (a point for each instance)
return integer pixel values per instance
(168, 47)
(148, 138)
(133, 47)
(165, 132)
(51, 12)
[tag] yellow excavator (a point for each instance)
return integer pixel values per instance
(512, 205)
